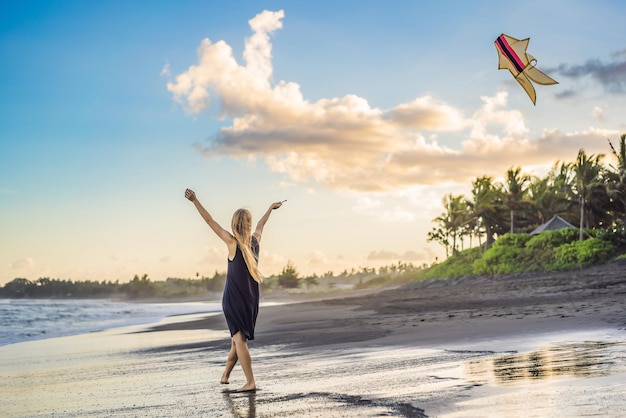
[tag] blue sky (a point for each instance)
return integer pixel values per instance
(362, 114)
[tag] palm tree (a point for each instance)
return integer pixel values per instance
(455, 207)
(550, 195)
(484, 205)
(587, 173)
(618, 191)
(438, 234)
(515, 193)
(469, 225)
(540, 192)
(599, 209)
(450, 221)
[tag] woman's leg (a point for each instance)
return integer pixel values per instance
(241, 346)
(230, 363)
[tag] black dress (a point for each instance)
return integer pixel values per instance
(240, 301)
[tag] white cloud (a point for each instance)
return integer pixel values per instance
(365, 204)
(317, 261)
(215, 256)
(382, 255)
(410, 256)
(427, 113)
(494, 127)
(598, 113)
(377, 206)
(414, 256)
(347, 144)
(398, 214)
(270, 263)
(23, 264)
(558, 145)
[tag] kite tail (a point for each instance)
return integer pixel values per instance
(535, 75)
(527, 85)
(538, 76)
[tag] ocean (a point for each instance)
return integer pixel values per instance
(36, 319)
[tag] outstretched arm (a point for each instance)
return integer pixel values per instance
(221, 232)
(259, 226)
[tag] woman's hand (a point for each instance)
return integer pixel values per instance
(189, 194)
(276, 205)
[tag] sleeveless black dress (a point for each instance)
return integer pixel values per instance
(240, 301)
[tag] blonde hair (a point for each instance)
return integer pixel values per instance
(242, 231)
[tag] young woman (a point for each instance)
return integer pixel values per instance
(240, 301)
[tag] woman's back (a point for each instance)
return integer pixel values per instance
(240, 301)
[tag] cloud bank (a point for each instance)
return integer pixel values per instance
(346, 143)
(611, 76)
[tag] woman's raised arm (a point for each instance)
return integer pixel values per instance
(221, 232)
(261, 224)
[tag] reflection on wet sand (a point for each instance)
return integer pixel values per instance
(326, 404)
(242, 405)
(584, 359)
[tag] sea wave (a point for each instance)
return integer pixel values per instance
(35, 319)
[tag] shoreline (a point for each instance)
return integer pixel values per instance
(442, 310)
(466, 347)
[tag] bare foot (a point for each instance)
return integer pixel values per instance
(224, 380)
(248, 387)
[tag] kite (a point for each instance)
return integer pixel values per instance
(512, 56)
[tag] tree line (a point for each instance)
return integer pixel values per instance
(138, 287)
(586, 192)
(144, 287)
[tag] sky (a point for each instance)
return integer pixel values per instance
(361, 114)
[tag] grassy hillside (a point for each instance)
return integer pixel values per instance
(548, 251)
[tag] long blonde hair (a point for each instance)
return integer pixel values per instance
(242, 231)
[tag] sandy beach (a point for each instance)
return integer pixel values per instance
(522, 345)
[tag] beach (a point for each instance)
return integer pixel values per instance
(533, 344)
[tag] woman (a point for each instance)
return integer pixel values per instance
(240, 301)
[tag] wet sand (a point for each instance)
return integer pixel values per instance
(523, 345)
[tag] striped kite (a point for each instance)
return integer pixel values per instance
(512, 56)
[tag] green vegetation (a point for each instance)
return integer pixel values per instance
(288, 278)
(587, 192)
(206, 287)
(458, 265)
(137, 288)
(517, 253)
(364, 278)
